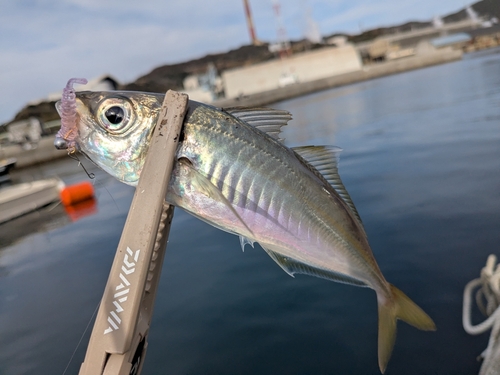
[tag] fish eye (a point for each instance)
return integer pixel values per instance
(116, 115)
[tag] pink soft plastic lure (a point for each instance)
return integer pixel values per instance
(65, 138)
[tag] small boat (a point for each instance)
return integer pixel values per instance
(5, 166)
(19, 199)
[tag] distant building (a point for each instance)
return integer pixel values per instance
(203, 87)
(301, 67)
(437, 23)
(26, 133)
(338, 40)
(410, 39)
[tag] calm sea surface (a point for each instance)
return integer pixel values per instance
(421, 161)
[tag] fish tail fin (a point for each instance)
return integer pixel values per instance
(397, 306)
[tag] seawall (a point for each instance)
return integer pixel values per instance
(368, 72)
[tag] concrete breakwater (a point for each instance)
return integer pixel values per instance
(45, 150)
(368, 72)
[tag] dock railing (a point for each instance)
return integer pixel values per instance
(118, 342)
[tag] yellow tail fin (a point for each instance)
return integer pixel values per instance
(397, 307)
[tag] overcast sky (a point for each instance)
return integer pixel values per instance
(43, 43)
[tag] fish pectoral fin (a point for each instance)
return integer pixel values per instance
(292, 266)
(204, 186)
(244, 241)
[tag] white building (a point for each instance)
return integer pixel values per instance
(301, 67)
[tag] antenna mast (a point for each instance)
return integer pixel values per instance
(283, 44)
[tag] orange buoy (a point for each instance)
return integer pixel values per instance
(77, 193)
(81, 209)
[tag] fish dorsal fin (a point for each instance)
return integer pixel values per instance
(268, 120)
(292, 266)
(325, 160)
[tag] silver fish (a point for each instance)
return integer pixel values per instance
(233, 172)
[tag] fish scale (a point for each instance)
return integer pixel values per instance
(233, 172)
(247, 171)
(243, 143)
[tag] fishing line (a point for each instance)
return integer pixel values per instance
(113, 199)
(53, 206)
(74, 157)
(81, 338)
(92, 176)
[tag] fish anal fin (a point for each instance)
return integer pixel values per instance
(280, 260)
(292, 266)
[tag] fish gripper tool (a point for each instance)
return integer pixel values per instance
(118, 342)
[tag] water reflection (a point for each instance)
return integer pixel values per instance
(39, 221)
(421, 160)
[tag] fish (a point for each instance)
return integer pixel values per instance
(233, 171)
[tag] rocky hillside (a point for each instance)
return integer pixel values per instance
(485, 8)
(172, 76)
(45, 111)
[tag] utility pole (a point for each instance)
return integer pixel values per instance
(251, 28)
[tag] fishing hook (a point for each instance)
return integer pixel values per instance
(73, 156)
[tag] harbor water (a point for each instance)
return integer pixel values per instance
(421, 162)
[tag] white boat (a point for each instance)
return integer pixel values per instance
(19, 199)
